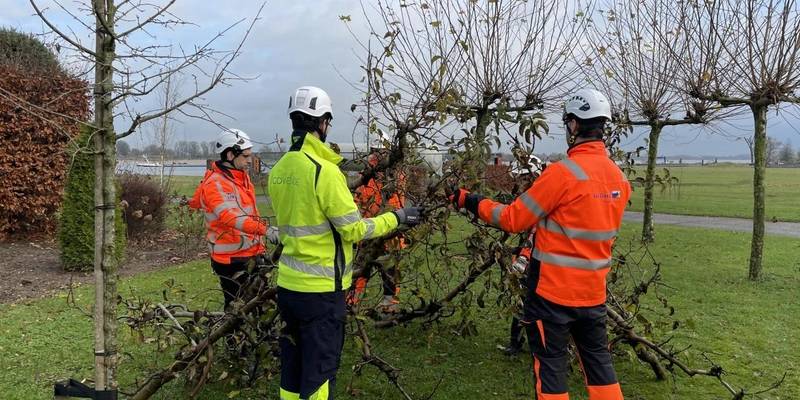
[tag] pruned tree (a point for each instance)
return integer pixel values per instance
(126, 70)
(742, 54)
(773, 150)
(786, 153)
(628, 56)
(162, 129)
(415, 96)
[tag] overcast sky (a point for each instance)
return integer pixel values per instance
(304, 43)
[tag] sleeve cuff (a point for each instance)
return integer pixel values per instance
(471, 202)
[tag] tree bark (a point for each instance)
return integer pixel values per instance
(648, 232)
(759, 173)
(105, 264)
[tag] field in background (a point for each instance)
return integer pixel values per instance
(746, 327)
(715, 190)
(724, 191)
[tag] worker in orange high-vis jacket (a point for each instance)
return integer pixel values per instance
(577, 206)
(227, 196)
(371, 199)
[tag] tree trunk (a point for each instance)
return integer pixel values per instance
(648, 232)
(105, 263)
(759, 173)
(481, 151)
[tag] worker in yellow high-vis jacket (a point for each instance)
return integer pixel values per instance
(318, 223)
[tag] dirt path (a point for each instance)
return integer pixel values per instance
(33, 269)
(728, 224)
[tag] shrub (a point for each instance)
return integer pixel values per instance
(24, 51)
(146, 205)
(498, 177)
(76, 228)
(33, 157)
(190, 228)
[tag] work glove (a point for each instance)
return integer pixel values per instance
(458, 196)
(409, 216)
(519, 265)
(272, 235)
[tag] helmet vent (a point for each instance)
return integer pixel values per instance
(313, 104)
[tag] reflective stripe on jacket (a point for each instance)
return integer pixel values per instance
(577, 205)
(229, 201)
(317, 218)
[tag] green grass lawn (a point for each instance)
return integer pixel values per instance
(725, 190)
(185, 185)
(721, 190)
(749, 328)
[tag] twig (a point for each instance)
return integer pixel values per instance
(175, 321)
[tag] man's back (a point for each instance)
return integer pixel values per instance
(574, 239)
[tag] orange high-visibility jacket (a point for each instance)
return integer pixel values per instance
(370, 200)
(577, 205)
(228, 198)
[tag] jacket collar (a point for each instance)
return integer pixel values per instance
(233, 174)
(312, 145)
(593, 147)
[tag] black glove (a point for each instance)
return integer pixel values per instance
(410, 216)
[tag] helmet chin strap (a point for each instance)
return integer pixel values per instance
(322, 135)
(236, 153)
(571, 137)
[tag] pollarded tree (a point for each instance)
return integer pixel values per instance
(489, 64)
(742, 54)
(629, 57)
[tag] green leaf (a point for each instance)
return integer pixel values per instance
(345, 18)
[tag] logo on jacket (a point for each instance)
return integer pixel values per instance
(615, 194)
(284, 180)
(229, 196)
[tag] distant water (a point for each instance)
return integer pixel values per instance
(691, 161)
(191, 168)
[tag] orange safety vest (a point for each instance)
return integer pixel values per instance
(369, 199)
(228, 198)
(577, 205)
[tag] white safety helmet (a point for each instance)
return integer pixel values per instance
(310, 100)
(588, 104)
(233, 138)
(384, 141)
(534, 165)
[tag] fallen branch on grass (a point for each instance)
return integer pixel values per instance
(621, 327)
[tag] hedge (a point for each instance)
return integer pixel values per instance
(76, 228)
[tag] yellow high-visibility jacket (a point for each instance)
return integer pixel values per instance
(317, 218)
